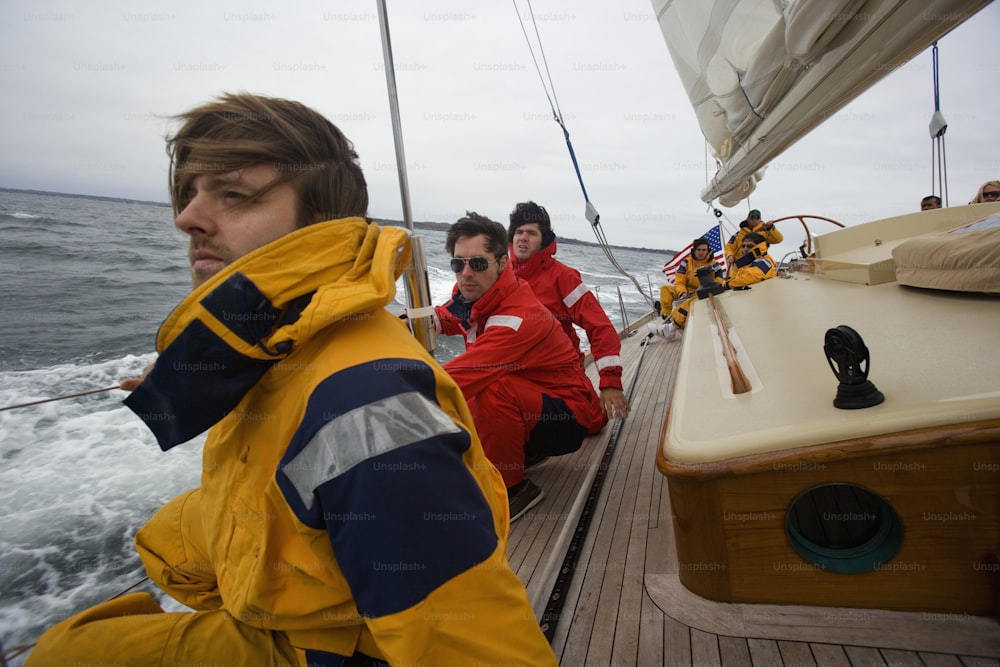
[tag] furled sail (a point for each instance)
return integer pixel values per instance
(762, 73)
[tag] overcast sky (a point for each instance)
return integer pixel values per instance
(87, 92)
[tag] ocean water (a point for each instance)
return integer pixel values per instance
(84, 285)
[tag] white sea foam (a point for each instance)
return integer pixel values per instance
(78, 477)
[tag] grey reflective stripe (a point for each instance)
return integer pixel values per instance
(608, 362)
(512, 321)
(570, 299)
(362, 433)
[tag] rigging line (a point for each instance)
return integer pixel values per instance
(944, 173)
(605, 246)
(58, 398)
(538, 69)
(591, 213)
(937, 90)
(552, 99)
(541, 50)
(940, 166)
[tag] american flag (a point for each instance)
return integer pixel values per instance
(714, 238)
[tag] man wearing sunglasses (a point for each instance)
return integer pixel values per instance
(754, 264)
(560, 288)
(752, 224)
(520, 374)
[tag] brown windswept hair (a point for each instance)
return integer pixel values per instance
(474, 224)
(236, 131)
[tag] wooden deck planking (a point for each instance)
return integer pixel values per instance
(796, 653)
(864, 656)
(734, 652)
(643, 438)
(974, 661)
(764, 652)
(705, 649)
(830, 655)
(609, 616)
(676, 644)
(940, 660)
(612, 589)
(601, 576)
(651, 634)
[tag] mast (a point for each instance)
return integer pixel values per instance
(417, 285)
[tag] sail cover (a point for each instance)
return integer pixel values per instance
(762, 73)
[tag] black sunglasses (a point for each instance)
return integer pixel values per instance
(992, 193)
(478, 264)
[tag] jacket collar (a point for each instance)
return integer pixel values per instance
(222, 338)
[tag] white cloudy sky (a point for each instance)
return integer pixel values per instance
(87, 90)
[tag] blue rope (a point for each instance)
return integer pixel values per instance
(572, 155)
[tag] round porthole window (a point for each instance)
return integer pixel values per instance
(843, 528)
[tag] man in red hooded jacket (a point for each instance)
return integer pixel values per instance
(520, 374)
(560, 288)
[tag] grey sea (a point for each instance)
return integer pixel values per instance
(84, 285)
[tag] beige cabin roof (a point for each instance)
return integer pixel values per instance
(935, 355)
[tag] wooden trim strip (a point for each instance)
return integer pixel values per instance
(741, 384)
(951, 435)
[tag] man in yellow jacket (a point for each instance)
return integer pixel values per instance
(752, 225)
(686, 280)
(754, 264)
(346, 514)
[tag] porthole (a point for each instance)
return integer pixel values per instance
(843, 528)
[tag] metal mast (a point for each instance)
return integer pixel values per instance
(417, 286)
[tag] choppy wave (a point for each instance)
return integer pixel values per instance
(78, 477)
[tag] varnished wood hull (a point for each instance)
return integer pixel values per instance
(733, 544)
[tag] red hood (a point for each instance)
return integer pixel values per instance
(535, 264)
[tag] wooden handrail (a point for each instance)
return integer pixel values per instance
(741, 384)
(809, 235)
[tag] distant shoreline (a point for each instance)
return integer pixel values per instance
(434, 226)
(116, 200)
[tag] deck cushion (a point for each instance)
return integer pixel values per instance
(963, 259)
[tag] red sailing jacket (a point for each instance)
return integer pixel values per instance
(508, 331)
(560, 289)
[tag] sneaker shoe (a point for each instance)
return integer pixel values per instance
(665, 330)
(522, 497)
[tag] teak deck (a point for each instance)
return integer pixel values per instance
(625, 604)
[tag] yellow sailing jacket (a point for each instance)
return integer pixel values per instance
(686, 279)
(752, 267)
(773, 236)
(345, 499)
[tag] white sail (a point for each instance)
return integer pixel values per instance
(760, 74)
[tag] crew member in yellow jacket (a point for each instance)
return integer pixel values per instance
(686, 282)
(346, 513)
(752, 225)
(754, 264)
